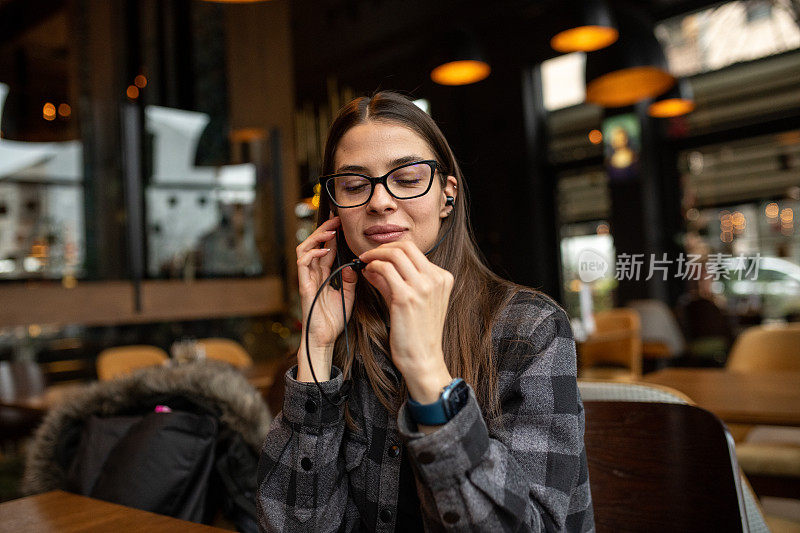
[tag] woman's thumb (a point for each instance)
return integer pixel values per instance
(349, 276)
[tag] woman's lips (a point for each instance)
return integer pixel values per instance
(389, 236)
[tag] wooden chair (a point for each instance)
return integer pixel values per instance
(662, 338)
(597, 391)
(226, 350)
(121, 360)
(770, 456)
(19, 380)
(661, 467)
(614, 350)
(773, 348)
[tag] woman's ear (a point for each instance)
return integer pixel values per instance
(450, 189)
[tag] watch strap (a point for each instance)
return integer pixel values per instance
(436, 413)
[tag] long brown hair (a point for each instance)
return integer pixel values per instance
(477, 296)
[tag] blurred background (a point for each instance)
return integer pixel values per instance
(159, 160)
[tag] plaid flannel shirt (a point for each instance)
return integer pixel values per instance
(522, 471)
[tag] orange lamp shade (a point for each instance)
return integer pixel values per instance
(627, 86)
(670, 107)
(584, 39)
(462, 72)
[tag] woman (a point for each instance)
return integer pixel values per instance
(458, 406)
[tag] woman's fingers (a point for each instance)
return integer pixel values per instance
(327, 261)
(416, 256)
(349, 278)
(306, 266)
(398, 255)
(314, 240)
(384, 276)
(323, 233)
(310, 255)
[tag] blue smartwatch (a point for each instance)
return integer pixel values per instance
(452, 398)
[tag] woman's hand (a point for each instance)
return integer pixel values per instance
(417, 293)
(313, 267)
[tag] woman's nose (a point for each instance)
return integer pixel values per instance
(381, 200)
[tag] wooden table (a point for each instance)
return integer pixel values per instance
(64, 512)
(738, 398)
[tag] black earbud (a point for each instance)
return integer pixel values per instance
(449, 200)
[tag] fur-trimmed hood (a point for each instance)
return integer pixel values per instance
(241, 408)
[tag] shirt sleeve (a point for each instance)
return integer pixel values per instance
(302, 476)
(526, 470)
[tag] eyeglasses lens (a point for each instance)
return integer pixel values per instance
(405, 182)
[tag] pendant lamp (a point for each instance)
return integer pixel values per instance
(593, 29)
(27, 118)
(630, 70)
(460, 60)
(676, 102)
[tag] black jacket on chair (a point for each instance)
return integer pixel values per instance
(177, 441)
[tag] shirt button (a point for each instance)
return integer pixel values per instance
(425, 458)
(306, 463)
(386, 516)
(451, 517)
(394, 451)
(311, 406)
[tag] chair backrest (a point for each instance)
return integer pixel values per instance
(659, 324)
(772, 348)
(20, 380)
(616, 341)
(594, 391)
(226, 350)
(121, 360)
(619, 319)
(661, 466)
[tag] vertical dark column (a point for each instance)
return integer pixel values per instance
(539, 184)
(134, 208)
(651, 207)
(278, 229)
(645, 216)
(661, 203)
(496, 128)
(209, 82)
(174, 36)
(629, 228)
(102, 75)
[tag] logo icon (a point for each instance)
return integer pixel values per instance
(591, 266)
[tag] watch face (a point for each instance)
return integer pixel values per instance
(457, 398)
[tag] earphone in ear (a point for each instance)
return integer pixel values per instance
(449, 200)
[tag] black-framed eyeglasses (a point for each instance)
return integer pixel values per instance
(349, 189)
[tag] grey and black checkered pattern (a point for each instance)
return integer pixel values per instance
(522, 471)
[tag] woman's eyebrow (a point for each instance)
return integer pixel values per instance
(393, 163)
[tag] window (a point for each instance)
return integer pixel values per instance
(729, 33)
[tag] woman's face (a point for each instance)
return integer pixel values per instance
(374, 148)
